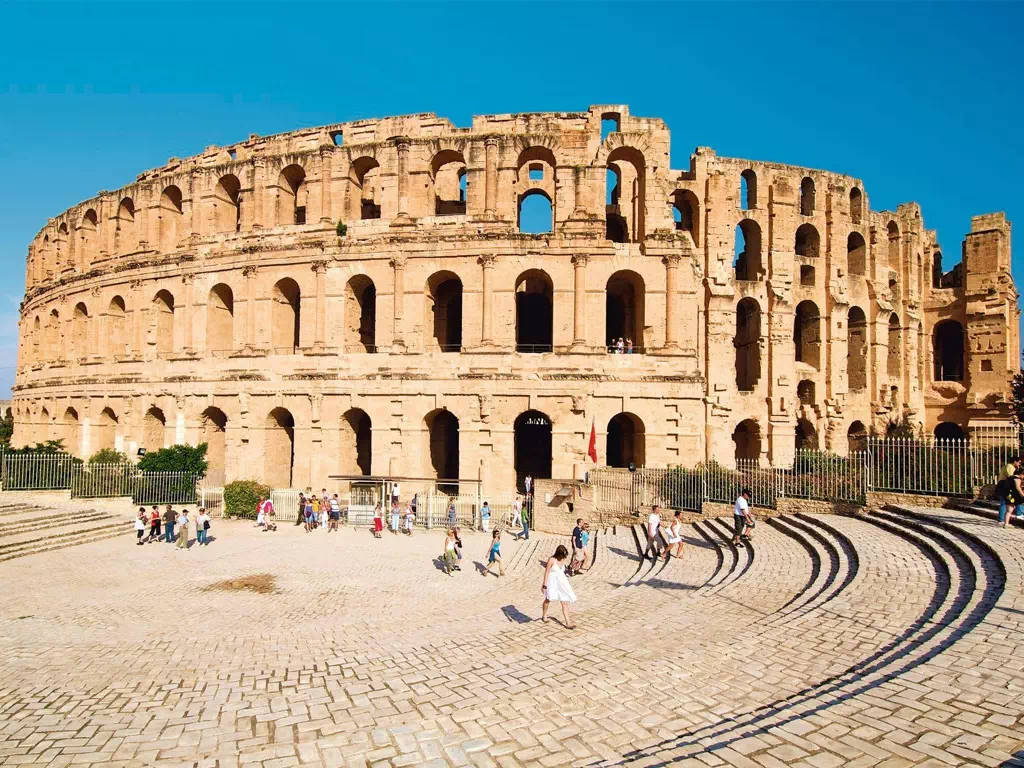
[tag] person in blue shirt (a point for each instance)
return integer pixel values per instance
(494, 554)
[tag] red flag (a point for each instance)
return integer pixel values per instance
(592, 450)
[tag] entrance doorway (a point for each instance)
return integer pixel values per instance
(532, 446)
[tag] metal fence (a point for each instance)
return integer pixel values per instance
(37, 472)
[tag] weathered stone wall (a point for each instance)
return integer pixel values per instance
(212, 299)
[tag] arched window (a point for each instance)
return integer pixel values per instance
(441, 430)
(534, 311)
(894, 246)
(624, 309)
(805, 392)
(609, 124)
(948, 351)
(857, 349)
(857, 437)
(163, 306)
(106, 431)
(806, 436)
(154, 429)
(895, 355)
(937, 269)
(71, 433)
(448, 174)
(444, 312)
(356, 448)
(279, 448)
(285, 317)
(127, 237)
(856, 205)
(747, 438)
(748, 190)
(80, 331)
(170, 213)
(535, 213)
(626, 441)
(747, 262)
(807, 242)
(53, 336)
(214, 429)
(220, 320)
(291, 196)
(45, 428)
(807, 196)
(747, 342)
(37, 337)
(948, 431)
(626, 212)
(532, 446)
(360, 315)
(227, 204)
(117, 340)
(364, 176)
(60, 247)
(686, 213)
(856, 254)
(807, 334)
(87, 238)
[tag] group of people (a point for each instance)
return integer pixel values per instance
(620, 346)
(451, 556)
(1010, 491)
(175, 526)
(401, 520)
(673, 533)
(323, 511)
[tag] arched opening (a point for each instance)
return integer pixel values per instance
(37, 334)
(163, 306)
(356, 444)
(360, 315)
(857, 349)
(441, 429)
(856, 254)
(894, 246)
(616, 229)
(44, 424)
(748, 190)
(609, 124)
(532, 449)
(535, 213)
(61, 247)
(220, 320)
(154, 429)
(127, 237)
(747, 342)
(87, 238)
(947, 430)
(80, 331)
(117, 340)
(170, 213)
(807, 334)
(629, 199)
(857, 437)
(686, 213)
(227, 204)
(444, 312)
(448, 172)
(285, 317)
(806, 436)
(279, 448)
(747, 262)
(807, 196)
(534, 311)
(626, 441)
(856, 205)
(292, 194)
(807, 242)
(895, 355)
(948, 351)
(106, 430)
(53, 335)
(214, 428)
(365, 179)
(747, 439)
(624, 309)
(937, 269)
(805, 392)
(71, 432)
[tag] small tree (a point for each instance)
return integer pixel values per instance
(6, 431)
(341, 229)
(108, 456)
(242, 496)
(177, 458)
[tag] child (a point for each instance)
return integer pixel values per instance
(378, 521)
(494, 555)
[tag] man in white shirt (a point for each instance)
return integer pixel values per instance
(183, 530)
(741, 515)
(653, 524)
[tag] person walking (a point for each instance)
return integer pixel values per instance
(494, 555)
(578, 552)
(556, 587)
(154, 524)
(485, 517)
(268, 516)
(169, 518)
(675, 536)
(517, 516)
(261, 518)
(741, 516)
(1005, 487)
(183, 530)
(300, 518)
(453, 516)
(457, 533)
(202, 527)
(448, 555)
(140, 526)
(653, 526)
(378, 521)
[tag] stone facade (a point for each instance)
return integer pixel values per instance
(212, 299)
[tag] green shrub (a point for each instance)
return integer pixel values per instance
(177, 458)
(108, 456)
(6, 431)
(341, 229)
(242, 496)
(47, 448)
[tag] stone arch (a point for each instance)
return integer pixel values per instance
(292, 195)
(285, 318)
(806, 392)
(532, 446)
(807, 196)
(686, 213)
(220, 320)
(37, 337)
(116, 336)
(806, 436)
(356, 443)
(60, 247)
(443, 311)
(857, 349)
(895, 357)
(44, 423)
(626, 440)
(748, 190)
(535, 213)
(747, 439)
(279, 448)
(630, 167)
(441, 431)
(71, 432)
(126, 234)
(171, 217)
(227, 204)
(106, 430)
(88, 238)
(80, 331)
(360, 315)
(214, 424)
(534, 311)
(448, 178)
(893, 231)
(857, 436)
(747, 342)
(807, 242)
(163, 307)
(748, 263)
(624, 308)
(856, 205)
(856, 254)
(948, 430)
(53, 335)
(807, 334)
(154, 429)
(365, 177)
(948, 350)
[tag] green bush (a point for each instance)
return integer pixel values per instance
(108, 456)
(242, 496)
(341, 229)
(48, 448)
(6, 431)
(177, 458)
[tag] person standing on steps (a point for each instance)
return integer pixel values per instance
(675, 536)
(556, 587)
(653, 525)
(169, 518)
(741, 516)
(183, 530)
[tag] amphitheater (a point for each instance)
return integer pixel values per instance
(364, 299)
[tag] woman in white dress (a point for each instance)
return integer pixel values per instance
(675, 536)
(556, 588)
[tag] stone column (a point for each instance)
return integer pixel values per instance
(196, 193)
(486, 333)
(320, 270)
(188, 280)
(403, 178)
(138, 317)
(578, 177)
(143, 221)
(257, 197)
(671, 316)
(250, 305)
(491, 175)
(579, 307)
(398, 264)
(326, 170)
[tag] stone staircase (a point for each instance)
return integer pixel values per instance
(27, 529)
(987, 508)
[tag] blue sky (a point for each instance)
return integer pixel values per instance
(921, 101)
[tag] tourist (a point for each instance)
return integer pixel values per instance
(394, 493)
(378, 521)
(1004, 482)
(528, 484)
(578, 552)
(1011, 495)
(741, 516)
(526, 519)
(629, 346)
(202, 527)
(314, 503)
(154, 524)
(517, 516)
(556, 587)
(261, 518)
(301, 519)
(675, 536)
(268, 516)
(335, 506)
(448, 556)
(309, 513)
(456, 532)
(325, 500)
(453, 516)
(140, 526)
(494, 555)
(485, 517)
(410, 518)
(620, 346)
(183, 530)
(324, 506)
(169, 518)
(394, 517)
(415, 504)
(653, 526)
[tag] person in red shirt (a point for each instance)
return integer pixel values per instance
(154, 524)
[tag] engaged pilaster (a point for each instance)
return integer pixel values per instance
(398, 264)
(579, 307)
